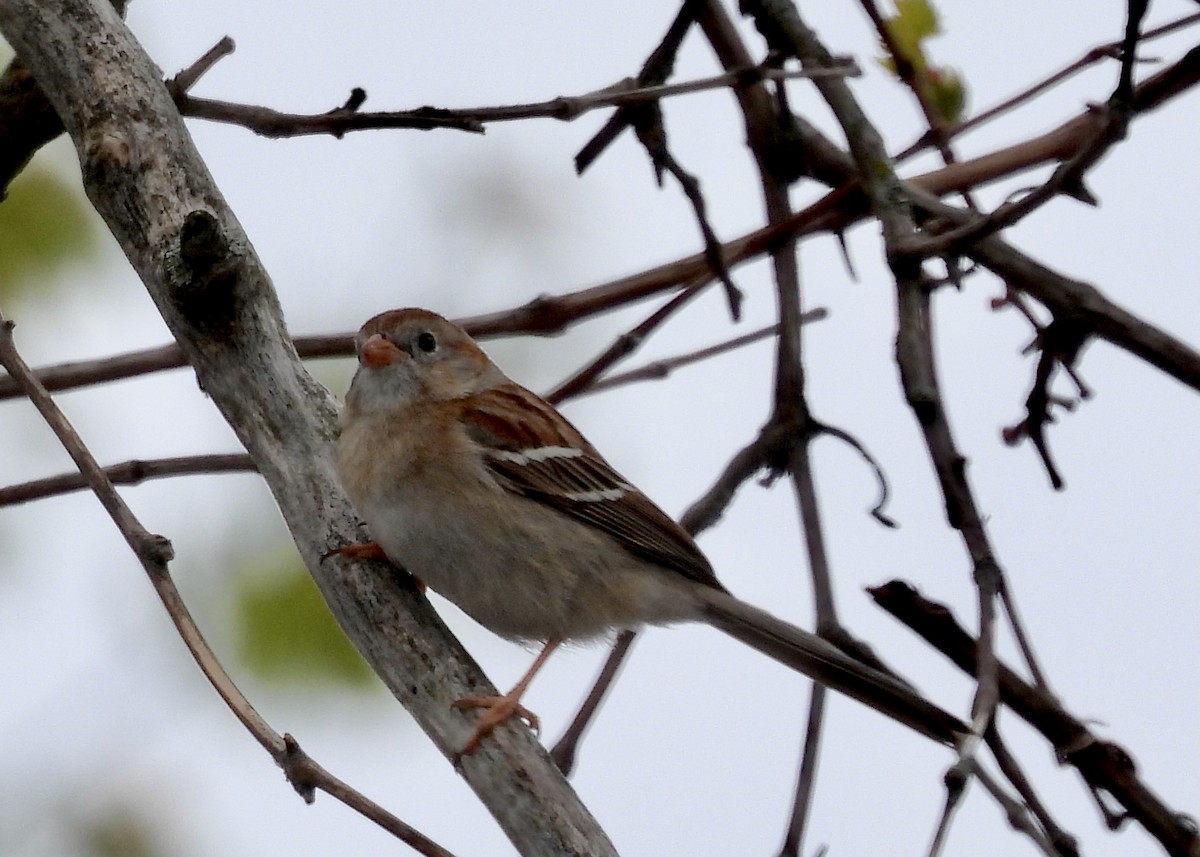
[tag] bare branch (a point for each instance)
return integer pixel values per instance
(627, 95)
(186, 79)
(1103, 764)
(128, 473)
(1063, 842)
(655, 72)
(567, 747)
(626, 343)
(837, 211)
(662, 368)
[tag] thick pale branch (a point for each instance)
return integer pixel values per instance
(146, 179)
(155, 552)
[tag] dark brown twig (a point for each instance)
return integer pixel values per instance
(276, 124)
(567, 747)
(1017, 813)
(806, 776)
(660, 369)
(627, 95)
(626, 343)
(1104, 765)
(713, 254)
(655, 71)
(1063, 842)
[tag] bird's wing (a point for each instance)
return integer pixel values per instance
(533, 451)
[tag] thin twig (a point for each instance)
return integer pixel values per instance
(186, 79)
(655, 71)
(83, 373)
(806, 777)
(659, 369)
(712, 245)
(155, 553)
(857, 445)
(1017, 813)
(626, 343)
(567, 747)
(1089, 58)
(1105, 766)
(1063, 842)
(268, 122)
(131, 472)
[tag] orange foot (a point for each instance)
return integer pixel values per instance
(498, 710)
(368, 550)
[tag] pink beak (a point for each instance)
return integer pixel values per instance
(378, 352)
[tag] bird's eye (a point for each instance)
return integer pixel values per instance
(427, 342)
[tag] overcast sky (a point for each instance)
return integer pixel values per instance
(696, 751)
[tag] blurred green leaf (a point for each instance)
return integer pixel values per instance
(286, 634)
(941, 87)
(947, 93)
(45, 224)
(915, 20)
(121, 833)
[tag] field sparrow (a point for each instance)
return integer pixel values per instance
(485, 493)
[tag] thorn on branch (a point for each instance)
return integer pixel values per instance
(1059, 343)
(840, 235)
(358, 97)
(955, 273)
(1078, 190)
(656, 70)
(652, 134)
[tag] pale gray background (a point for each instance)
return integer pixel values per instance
(696, 751)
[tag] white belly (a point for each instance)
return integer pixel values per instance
(531, 574)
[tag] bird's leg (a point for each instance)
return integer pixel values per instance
(369, 550)
(365, 550)
(502, 708)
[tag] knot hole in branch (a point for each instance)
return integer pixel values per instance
(206, 296)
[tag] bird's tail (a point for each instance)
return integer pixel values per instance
(824, 663)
